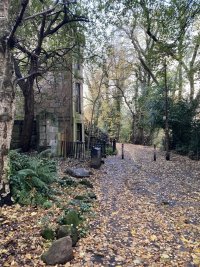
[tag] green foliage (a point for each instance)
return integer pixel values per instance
(85, 207)
(48, 233)
(71, 217)
(194, 147)
(67, 182)
(183, 124)
(81, 197)
(30, 178)
(83, 231)
(68, 230)
(110, 152)
(47, 153)
(92, 195)
(86, 183)
(180, 121)
(47, 204)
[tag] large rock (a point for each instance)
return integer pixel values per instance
(60, 252)
(78, 172)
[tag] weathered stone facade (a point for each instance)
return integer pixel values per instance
(56, 114)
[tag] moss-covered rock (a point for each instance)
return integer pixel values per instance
(68, 230)
(62, 231)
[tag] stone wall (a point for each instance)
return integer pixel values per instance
(54, 110)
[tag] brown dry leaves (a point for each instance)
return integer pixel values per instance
(20, 241)
(147, 214)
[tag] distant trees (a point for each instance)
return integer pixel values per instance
(105, 84)
(155, 32)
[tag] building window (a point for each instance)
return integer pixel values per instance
(78, 97)
(77, 65)
(79, 132)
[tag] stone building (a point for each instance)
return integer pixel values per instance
(58, 110)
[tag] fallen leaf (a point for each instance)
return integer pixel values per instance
(153, 237)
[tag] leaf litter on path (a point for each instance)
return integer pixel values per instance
(147, 214)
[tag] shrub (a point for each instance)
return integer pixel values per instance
(110, 152)
(67, 182)
(30, 178)
(48, 233)
(86, 183)
(71, 217)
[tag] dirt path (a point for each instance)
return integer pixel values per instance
(148, 212)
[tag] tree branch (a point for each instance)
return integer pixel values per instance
(46, 12)
(23, 49)
(18, 20)
(63, 22)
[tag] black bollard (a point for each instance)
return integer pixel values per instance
(154, 153)
(114, 145)
(122, 151)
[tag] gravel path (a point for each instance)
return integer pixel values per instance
(147, 212)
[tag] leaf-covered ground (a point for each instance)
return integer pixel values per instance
(147, 214)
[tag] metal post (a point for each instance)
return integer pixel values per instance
(154, 153)
(122, 151)
(114, 145)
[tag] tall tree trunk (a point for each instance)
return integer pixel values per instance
(132, 137)
(6, 102)
(191, 81)
(27, 129)
(180, 81)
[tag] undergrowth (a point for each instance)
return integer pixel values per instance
(110, 152)
(30, 178)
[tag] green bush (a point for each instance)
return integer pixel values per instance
(67, 182)
(71, 217)
(86, 183)
(47, 233)
(30, 178)
(110, 152)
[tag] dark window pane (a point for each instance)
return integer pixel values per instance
(78, 98)
(79, 132)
